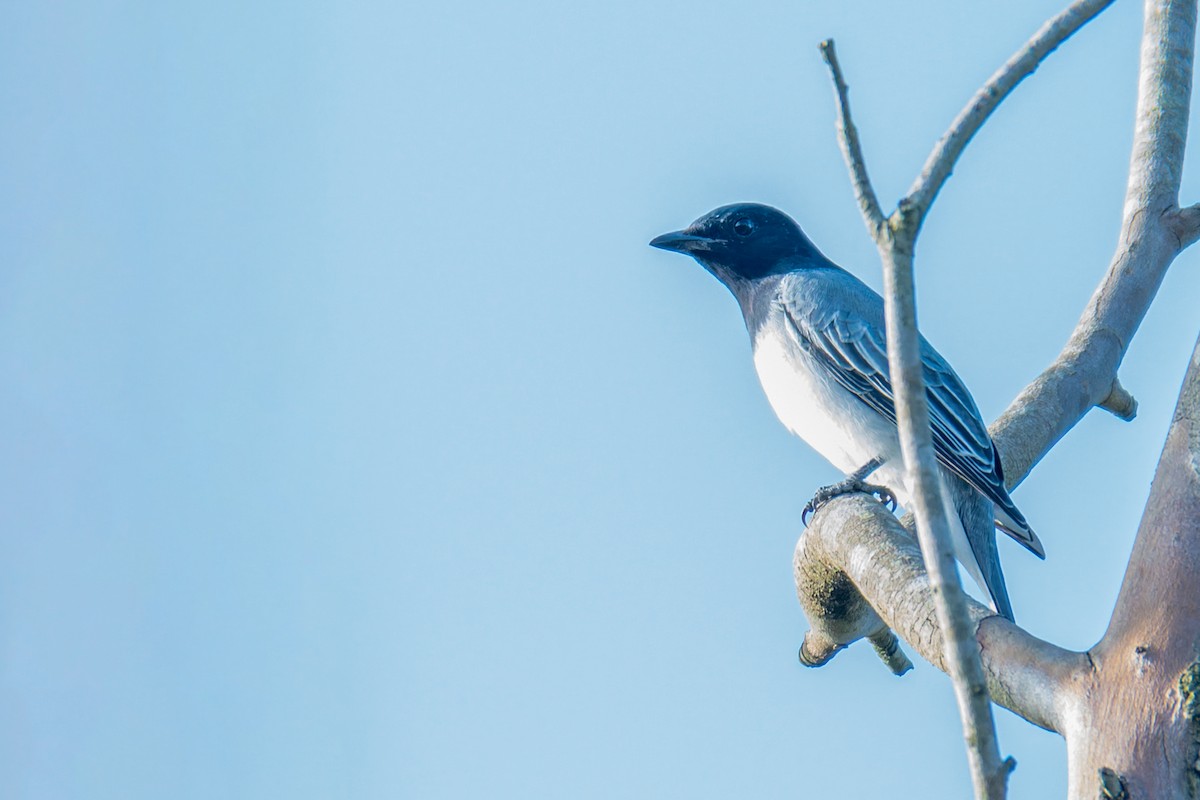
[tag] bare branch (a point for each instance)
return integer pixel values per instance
(839, 615)
(945, 153)
(856, 550)
(1154, 230)
(1164, 97)
(868, 203)
(988, 772)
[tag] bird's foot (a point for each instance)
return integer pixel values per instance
(848, 486)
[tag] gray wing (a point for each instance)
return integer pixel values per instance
(855, 353)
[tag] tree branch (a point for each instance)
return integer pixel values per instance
(988, 772)
(1154, 230)
(1152, 637)
(945, 153)
(868, 203)
(856, 550)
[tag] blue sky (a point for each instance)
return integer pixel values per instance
(356, 444)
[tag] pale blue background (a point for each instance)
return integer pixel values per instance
(355, 444)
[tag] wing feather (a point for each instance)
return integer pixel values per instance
(855, 353)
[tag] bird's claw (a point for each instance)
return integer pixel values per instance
(884, 495)
(848, 486)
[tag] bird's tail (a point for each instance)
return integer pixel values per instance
(1019, 529)
(999, 593)
(976, 549)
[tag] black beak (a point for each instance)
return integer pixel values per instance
(680, 242)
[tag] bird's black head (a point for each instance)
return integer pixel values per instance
(743, 242)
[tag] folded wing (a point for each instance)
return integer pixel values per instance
(855, 354)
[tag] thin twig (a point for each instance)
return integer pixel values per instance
(868, 202)
(989, 772)
(945, 153)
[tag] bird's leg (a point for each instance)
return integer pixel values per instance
(854, 482)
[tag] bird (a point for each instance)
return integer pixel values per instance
(820, 351)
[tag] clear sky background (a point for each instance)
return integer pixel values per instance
(355, 444)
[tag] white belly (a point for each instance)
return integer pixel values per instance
(834, 422)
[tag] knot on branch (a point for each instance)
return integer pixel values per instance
(998, 780)
(840, 616)
(1189, 693)
(904, 224)
(837, 611)
(1112, 785)
(1120, 402)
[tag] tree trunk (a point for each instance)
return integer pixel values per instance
(1136, 710)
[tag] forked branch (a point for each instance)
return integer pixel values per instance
(942, 159)
(856, 550)
(940, 163)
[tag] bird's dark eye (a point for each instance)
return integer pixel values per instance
(743, 226)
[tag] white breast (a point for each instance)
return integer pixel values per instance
(811, 405)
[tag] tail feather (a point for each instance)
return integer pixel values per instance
(1021, 532)
(974, 512)
(999, 593)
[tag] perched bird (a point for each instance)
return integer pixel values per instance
(819, 349)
